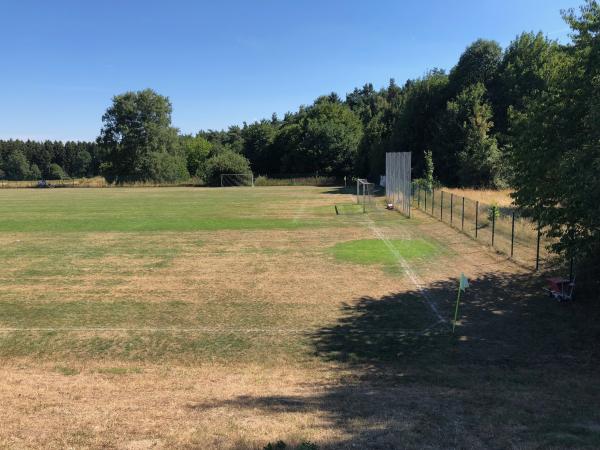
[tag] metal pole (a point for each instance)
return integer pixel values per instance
(364, 200)
(442, 207)
(432, 202)
(451, 207)
(462, 219)
(512, 236)
(537, 250)
(476, 217)
(571, 271)
(419, 197)
(493, 225)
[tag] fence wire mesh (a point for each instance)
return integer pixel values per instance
(500, 227)
(398, 182)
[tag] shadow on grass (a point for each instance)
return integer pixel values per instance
(520, 371)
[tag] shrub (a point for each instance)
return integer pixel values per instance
(55, 172)
(168, 168)
(493, 212)
(16, 166)
(227, 161)
(35, 173)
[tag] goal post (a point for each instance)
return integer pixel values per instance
(398, 181)
(237, 179)
(365, 194)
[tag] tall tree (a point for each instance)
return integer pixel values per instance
(556, 154)
(327, 137)
(521, 73)
(197, 150)
(258, 138)
(478, 64)
(478, 156)
(137, 134)
(16, 166)
(413, 118)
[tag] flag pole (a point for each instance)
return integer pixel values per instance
(463, 284)
(456, 309)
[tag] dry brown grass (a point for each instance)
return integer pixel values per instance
(488, 196)
(94, 182)
(290, 343)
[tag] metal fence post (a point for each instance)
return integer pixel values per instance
(419, 197)
(493, 225)
(432, 202)
(512, 236)
(462, 219)
(451, 207)
(442, 206)
(537, 250)
(571, 270)
(476, 217)
(364, 195)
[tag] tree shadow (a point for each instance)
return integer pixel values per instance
(519, 371)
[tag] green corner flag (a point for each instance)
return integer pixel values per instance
(462, 285)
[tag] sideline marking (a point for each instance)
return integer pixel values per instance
(404, 264)
(300, 212)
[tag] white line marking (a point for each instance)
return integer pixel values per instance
(300, 212)
(404, 264)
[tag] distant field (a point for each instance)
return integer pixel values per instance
(228, 318)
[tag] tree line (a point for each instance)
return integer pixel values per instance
(30, 160)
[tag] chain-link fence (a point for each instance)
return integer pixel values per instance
(500, 227)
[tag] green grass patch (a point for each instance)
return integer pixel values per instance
(143, 210)
(375, 251)
(67, 371)
(155, 346)
(230, 312)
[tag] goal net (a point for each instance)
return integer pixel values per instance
(365, 196)
(237, 179)
(398, 181)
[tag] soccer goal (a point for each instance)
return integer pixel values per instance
(237, 179)
(365, 195)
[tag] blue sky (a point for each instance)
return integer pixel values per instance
(225, 62)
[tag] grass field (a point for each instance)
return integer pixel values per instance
(230, 318)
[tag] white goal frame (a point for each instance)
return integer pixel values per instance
(364, 194)
(248, 176)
